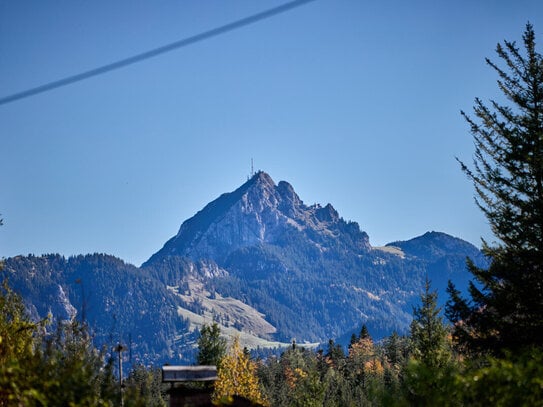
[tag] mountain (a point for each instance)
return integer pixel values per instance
(260, 213)
(445, 258)
(258, 261)
(312, 274)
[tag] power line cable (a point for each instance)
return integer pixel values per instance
(154, 52)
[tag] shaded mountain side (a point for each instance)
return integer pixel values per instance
(435, 245)
(118, 301)
(156, 318)
(444, 257)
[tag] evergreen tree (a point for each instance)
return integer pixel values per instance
(16, 329)
(17, 350)
(396, 350)
(335, 354)
(429, 335)
(364, 333)
(72, 370)
(211, 346)
(506, 306)
(144, 388)
(429, 372)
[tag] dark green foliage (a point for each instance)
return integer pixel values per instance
(397, 349)
(17, 349)
(506, 306)
(144, 388)
(364, 377)
(297, 380)
(16, 329)
(429, 335)
(62, 368)
(507, 381)
(211, 346)
(364, 334)
(72, 370)
(335, 354)
(427, 375)
(429, 386)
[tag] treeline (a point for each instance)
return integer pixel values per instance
(63, 367)
(424, 368)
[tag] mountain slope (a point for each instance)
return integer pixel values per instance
(118, 301)
(444, 257)
(258, 261)
(310, 272)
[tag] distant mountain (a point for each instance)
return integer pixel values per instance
(260, 213)
(436, 245)
(257, 260)
(445, 258)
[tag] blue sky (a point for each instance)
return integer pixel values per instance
(355, 103)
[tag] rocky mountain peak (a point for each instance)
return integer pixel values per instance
(262, 178)
(258, 212)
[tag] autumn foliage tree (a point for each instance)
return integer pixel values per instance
(37, 368)
(237, 376)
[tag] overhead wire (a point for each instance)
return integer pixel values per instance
(154, 52)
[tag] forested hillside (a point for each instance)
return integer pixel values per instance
(119, 302)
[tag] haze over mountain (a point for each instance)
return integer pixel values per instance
(258, 261)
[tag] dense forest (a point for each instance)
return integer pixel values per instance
(488, 351)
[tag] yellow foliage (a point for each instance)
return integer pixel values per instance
(237, 376)
(293, 376)
(362, 347)
(374, 366)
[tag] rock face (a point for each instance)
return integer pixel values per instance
(259, 212)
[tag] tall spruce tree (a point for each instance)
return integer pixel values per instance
(505, 311)
(211, 346)
(428, 332)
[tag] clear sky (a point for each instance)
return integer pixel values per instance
(355, 103)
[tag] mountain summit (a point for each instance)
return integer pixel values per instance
(260, 212)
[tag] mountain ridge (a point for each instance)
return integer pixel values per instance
(257, 260)
(252, 214)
